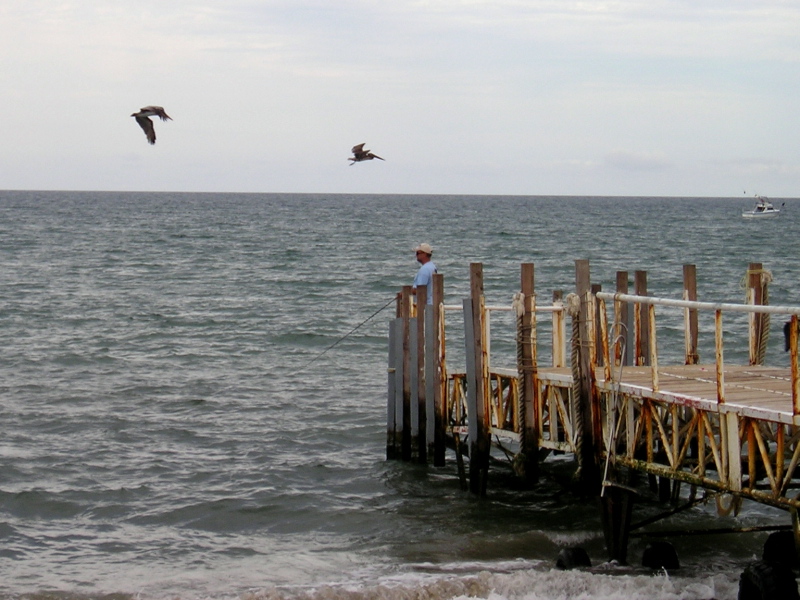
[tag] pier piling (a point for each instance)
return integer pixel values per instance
(478, 413)
(420, 449)
(528, 464)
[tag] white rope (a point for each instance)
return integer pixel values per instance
(573, 303)
(518, 304)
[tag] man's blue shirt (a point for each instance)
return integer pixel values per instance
(425, 277)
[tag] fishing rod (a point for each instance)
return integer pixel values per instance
(347, 335)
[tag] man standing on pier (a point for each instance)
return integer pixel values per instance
(426, 271)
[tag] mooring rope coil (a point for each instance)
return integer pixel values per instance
(573, 303)
(523, 366)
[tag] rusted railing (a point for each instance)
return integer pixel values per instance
(718, 308)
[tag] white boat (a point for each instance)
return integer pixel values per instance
(762, 209)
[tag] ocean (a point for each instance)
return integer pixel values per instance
(193, 394)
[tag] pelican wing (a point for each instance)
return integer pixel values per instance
(155, 111)
(147, 125)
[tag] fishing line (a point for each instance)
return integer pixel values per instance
(347, 335)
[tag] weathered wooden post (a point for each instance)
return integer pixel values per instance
(405, 315)
(420, 442)
(640, 321)
(652, 350)
(527, 368)
(586, 405)
(478, 411)
(616, 502)
(691, 332)
(758, 294)
(617, 510)
(435, 376)
(598, 345)
(394, 370)
(690, 314)
(622, 324)
(795, 368)
(559, 331)
(795, 371)
(623, 346)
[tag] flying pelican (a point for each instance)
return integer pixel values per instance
(360, 154)
(146, 124)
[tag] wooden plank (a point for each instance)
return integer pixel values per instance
(794, 364)
(480, 442)
(586, 404)
(431, 355)
(651, 346)
(413, 405)
(527, 371)
(399, 409)
(641, 333)
(422, 311)
(474, 406)
(758, 323)
(682, 386)
(745, 395)
(597, 348)
(622, 324)
(777, 402)
(691, 333)
(734, 461)
(405, 314)
(395, 332)
(559, 331)
(718, 345)
(769, 387)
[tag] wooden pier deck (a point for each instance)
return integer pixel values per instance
(730, 429)
(754, 391)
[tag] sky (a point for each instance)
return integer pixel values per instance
(500, 97)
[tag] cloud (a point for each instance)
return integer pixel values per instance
(756, 166)
(474, 95)
(632, 161)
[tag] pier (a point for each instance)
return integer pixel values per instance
(585, 374)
